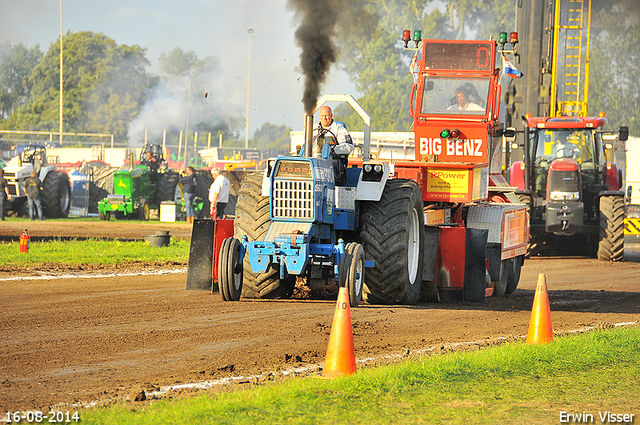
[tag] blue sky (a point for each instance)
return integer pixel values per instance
(207, 27)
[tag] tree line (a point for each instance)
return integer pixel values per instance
(373, 57)
(108, 87)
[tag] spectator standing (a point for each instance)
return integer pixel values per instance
(4, 193)
(218, 193)
(32, 187)
(188, 180)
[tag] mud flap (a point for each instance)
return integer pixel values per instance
(494, 255)
(429, 265)
(200, 270)
(432, 235)
(475, 266)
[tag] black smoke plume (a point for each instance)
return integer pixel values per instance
(318, 19)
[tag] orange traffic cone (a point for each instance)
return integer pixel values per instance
(540, 329)
(341, 355)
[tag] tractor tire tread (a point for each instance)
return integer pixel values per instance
(384, 237)
(253, 220)
(611, 245)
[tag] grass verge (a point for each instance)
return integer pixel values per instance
(93, 251)
(518, 383)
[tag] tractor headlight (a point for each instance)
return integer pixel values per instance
(372, 172)
(564, 196)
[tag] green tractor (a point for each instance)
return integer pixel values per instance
(140, 188)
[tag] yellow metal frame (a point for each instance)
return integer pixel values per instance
(573, 103)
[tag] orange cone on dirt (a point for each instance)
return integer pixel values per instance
(341, 355)
(540, 329)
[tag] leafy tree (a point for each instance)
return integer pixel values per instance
(179, 63)
(16, 63)
(185, 84)
(272, 137)
(373, 55)
(104, 87)
(615, 64)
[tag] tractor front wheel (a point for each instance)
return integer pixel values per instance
(230, 270)
(143, 210)
(611, 245)
(352, 272)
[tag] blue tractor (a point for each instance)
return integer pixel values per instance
(313, 223)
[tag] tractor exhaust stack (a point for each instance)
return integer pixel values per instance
(308, 134)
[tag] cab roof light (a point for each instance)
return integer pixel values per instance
(513, 37)
(503, 38)
(406, 37)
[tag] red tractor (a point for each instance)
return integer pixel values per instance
(455, 104)
(441, 224)
(573, 192)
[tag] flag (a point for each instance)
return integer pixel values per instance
(510, 69)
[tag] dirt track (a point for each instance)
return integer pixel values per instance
(94, 339)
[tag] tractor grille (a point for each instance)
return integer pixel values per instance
(293, 199)
(116, 199)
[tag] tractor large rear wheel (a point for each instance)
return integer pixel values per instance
(611, 246)
(56, 195)
(252, 220)
(166, 187)
(393, 236)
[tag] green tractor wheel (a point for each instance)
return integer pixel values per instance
(143, 210)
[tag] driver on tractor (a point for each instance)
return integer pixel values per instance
(151, 162)
(564, 148)
(337, 135)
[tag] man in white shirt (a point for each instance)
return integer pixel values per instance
(462, 104)
(218, 193)
(336, 134)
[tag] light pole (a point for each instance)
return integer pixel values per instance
(246, 135)
(61, 79)
(186, 133)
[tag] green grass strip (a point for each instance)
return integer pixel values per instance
(93, 251)
(512, 384)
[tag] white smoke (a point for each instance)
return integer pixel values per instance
(166, 109)
(215, 99)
